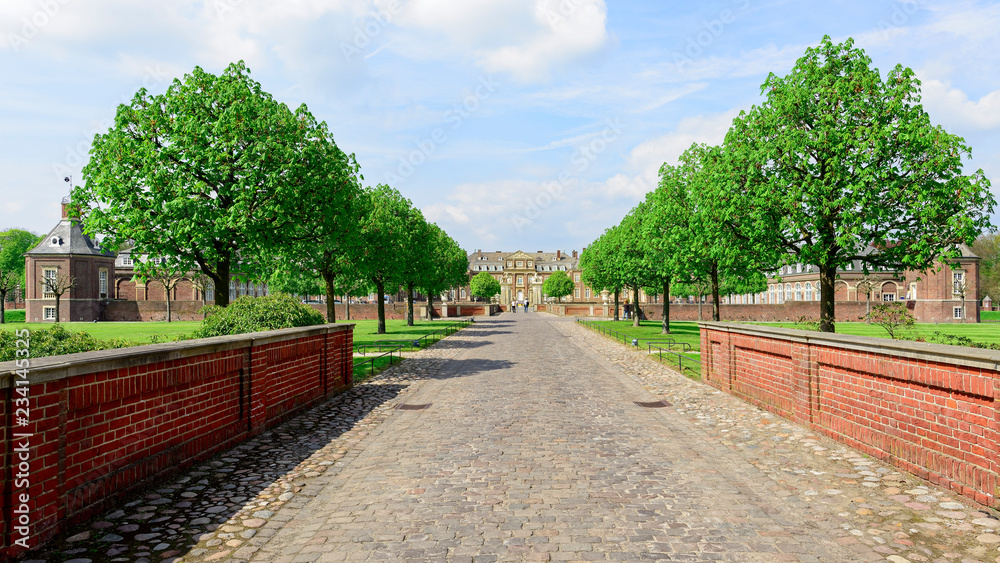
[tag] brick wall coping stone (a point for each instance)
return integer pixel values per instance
(927, 351)
(53, 368)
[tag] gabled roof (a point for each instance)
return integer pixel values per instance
(70, 239)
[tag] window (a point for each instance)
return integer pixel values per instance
(912, 293)
(463, 294)
(798, 268)
(49, 313)
(531, 264)
(209, 291)
(576, 293)
(850, 266)
(788, 292)
(798, 292)
(816, 292)
(54, 241)
(50, 276)
(888, 297)
(809, 291)
(957, 312)
(958, 280)
(520, 263)
(576, 277)
(126, 260)
(520, 280)
(102, 283)
(232, 289)
(770, 294)
(588, 293)
(510, 263)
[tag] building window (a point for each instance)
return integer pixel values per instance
(958, 281)
(788, 292)
(510, 264)
(49, 275)
(850, 266)
(49, 313)
(816, 292)
(809, 291)
(798, 268)
(209, 291)
(126, 260)
(888, 297)
(102, 283)
(520, 280)
(588, 293)
(912, 293)
(770, 294)
(232, 289)
(576, 277)
(576, 293)
(463, 294)
(957, 312)
(798, 292)
(530, 264)
(520, 263)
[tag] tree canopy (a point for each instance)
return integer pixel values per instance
(484, 285)
(557, 285)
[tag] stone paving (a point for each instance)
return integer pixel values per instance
(532, 448)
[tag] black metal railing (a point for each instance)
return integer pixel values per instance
(395, 354)
(681, 358)
(662, 346)
(394, 348)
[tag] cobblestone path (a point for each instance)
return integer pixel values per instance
(532, 447)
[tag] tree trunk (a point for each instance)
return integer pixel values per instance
(409, 304)
(636, 311)
(166, 293)
(826, 296)
(701, 301)
(348, 302)
(57, 307)
(617, 292)
(716, 313)
(666, 306)
(3, 304)
(221, 279)
(331, 301)
(380, 291)
(430, 305)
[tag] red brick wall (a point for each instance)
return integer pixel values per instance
(929, 409)
(104, 424)
(119, 310)
(367, 311)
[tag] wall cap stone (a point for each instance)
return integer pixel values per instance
(927, 351)
(52, 368)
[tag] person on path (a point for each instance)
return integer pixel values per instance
(628, 310)
(513, 306)
(525, 305)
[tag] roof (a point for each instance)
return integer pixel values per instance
(541, 259)
(70, 239)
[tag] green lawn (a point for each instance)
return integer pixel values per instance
(364, 332)
(135, 332)
(680, 332)
(989, 315)
(980, 332)
(13, 316)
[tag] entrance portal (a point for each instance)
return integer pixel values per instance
(520, 295)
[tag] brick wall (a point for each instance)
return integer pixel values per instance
(928, 409)
(119, 310)
(104, 424)
(367, 311)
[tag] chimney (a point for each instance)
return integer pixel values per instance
(559, 255)
(479, 252)
(574, 254)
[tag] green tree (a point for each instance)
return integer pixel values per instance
(600, 268)
(448, 267)
(13, 244)
(484, 285)
(557, 285)
(838, 158)
(894, 318)
(384, 230)
(209, 172)
(165, 272)
(987, 247)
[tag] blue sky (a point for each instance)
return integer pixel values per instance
(513, 124)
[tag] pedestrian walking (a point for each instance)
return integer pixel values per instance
(628, 311)
(525, 305)
(513, 306)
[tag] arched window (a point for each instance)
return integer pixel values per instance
(809, 291)
(232, 289)
(788, 292)
(770, 294)
(816, 292)
(798, 292)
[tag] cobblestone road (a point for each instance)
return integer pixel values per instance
(532, 448)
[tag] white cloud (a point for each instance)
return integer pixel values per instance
(524, 38)
(952, 106)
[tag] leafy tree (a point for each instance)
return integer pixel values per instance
(557, 285)
(484, 285)
(8, 282)
(449, 266)
(210, 172)
(894, 318)
(987, 247)
(384, 230)
(14, 243)
(869, 282)
(838, 158)
(600, 269)
(293, 281)
(417, 257)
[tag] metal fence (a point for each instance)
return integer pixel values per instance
(663, 346)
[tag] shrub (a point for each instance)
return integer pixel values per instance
(56, 341)
(894, 318)
(962, 341)
(254, 314)
(14, 316)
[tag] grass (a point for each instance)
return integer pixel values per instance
(13, 316)
(986, 333)
(686, 332)
(989, 316)
(135, 332)
(364, 331)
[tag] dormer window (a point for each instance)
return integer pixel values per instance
(55, 241)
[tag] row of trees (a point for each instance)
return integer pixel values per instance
(837, 159)
(219, 177)
(13, 244)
